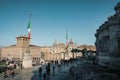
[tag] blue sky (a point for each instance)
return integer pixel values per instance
(50, 18)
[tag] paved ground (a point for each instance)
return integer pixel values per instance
(88, 71)
(83, 70)
(33, 74)
(58, 74)
(24, 74)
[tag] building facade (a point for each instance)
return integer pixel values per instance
(58, 51)
(37, 53)
(17, 52)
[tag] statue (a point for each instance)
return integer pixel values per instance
(27, 61)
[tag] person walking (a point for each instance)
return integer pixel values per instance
(53, 68)
(40, 70)
(13, 73)
(9, 72)
(44, 76)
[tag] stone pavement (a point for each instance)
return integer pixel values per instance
(33, 74)
(88, 71)
(20, 74)
(58, 74)
(83, 70)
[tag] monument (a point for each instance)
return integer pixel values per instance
(27, 60)
(108, 41)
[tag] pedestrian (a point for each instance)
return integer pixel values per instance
(9, 72)
(21, 66)
(5, 74)
(48, 69)
(14, 66)
(53, 68)
(40, 70)
(13, 73)
(44, 76)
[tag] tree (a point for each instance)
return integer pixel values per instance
(75, 51)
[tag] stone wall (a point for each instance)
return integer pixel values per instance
(108, 41)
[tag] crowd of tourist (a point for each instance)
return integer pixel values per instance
(53, 66)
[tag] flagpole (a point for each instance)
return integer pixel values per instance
(30, 16)
(66, 37)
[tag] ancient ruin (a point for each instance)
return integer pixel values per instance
(108, 41)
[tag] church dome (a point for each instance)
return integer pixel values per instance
(71, 42)
(55, 44)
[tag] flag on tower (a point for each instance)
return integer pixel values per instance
(29, 34)
(28, 27)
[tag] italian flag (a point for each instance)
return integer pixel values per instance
(29, 30)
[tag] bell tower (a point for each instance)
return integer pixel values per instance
(23, 41)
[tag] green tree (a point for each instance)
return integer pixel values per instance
(74, 51)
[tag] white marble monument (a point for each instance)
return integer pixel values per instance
(27, 61)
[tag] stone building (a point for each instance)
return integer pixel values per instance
(57, 51)
(71, 46)
(108, 41)
(16, 52)
(37, 53)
